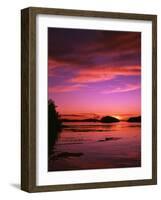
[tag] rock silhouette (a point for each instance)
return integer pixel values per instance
(134, 119)
(109, 119)
(54, 125)
(68, 154)
(109, 139)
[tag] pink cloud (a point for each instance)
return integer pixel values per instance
(54, 63)
(68, 88)
(125, 88)
(102, 73)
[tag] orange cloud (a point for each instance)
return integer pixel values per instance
(103, 73)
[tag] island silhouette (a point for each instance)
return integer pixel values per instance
(134, 119)
(109, 119)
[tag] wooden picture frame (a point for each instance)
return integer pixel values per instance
(28, 98)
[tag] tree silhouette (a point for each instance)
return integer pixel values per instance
(54, 125)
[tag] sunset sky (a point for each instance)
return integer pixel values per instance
(94, 72)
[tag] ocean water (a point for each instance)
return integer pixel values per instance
(95, 145)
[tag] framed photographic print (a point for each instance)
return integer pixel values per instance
(89, 99)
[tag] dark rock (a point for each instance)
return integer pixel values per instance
(134, 119)
(109, 119)
(109, 139)
(68, 154)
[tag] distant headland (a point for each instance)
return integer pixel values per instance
(105, 119)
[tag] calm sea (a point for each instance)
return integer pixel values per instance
(95, 145)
